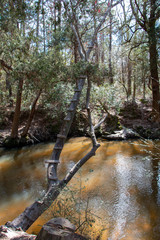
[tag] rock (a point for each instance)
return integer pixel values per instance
(7, 233)
(58, 229)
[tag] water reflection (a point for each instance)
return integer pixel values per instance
(121, 184)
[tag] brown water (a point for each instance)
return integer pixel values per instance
(116, 194)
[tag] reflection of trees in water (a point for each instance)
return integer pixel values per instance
(149, 200)
(155, 216)
(21, 172)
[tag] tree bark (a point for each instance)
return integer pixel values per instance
(154, 65)
(31, 115)
(59, 14)
(37, 27)
(96, 40)
(129, 78)
(14, 131)
(9, 88)
(52, 167)
(134, 89)
(143, 80)
(75, 49)
(110, 47)
(148, 25)
(44, 27)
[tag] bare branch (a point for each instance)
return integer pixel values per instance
(91, 45)
(76, 31)
(106, 27)
(133, 47)
(141, 23)
(100, 122)
(139, 10)
(78, 40)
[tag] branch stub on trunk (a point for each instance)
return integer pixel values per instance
(52, 161)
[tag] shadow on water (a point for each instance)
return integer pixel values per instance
(121, 183)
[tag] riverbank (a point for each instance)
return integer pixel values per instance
(134, 121)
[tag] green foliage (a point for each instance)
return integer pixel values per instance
(108, 95)
(58, 98)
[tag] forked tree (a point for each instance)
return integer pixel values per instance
(55, 186)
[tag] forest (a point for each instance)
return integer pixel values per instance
(77, 68)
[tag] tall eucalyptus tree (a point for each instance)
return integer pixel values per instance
(146, 14)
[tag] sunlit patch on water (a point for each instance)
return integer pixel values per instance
(6, 161)
(130, 173)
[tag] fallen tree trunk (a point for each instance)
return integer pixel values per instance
(7, 233)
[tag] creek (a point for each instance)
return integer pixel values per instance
(116, 194)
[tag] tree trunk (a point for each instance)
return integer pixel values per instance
(37, 27)
(102, 48)
(148, 24)
(9, 88)
(31, 115)
(52, 167)
(154, 68)
(75, 49)
(55, 17)
(134, 89)
(123, 72)
(96, 40)
(143, 80)
(14, 132)
(129, 77)
(59, 14)
(44, 27)
(110, 47)
(26, 219)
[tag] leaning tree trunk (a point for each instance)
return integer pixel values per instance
(14, 131)
(29, 216)
(31, 115)
(61, 137)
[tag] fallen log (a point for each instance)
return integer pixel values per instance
(8, 233)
